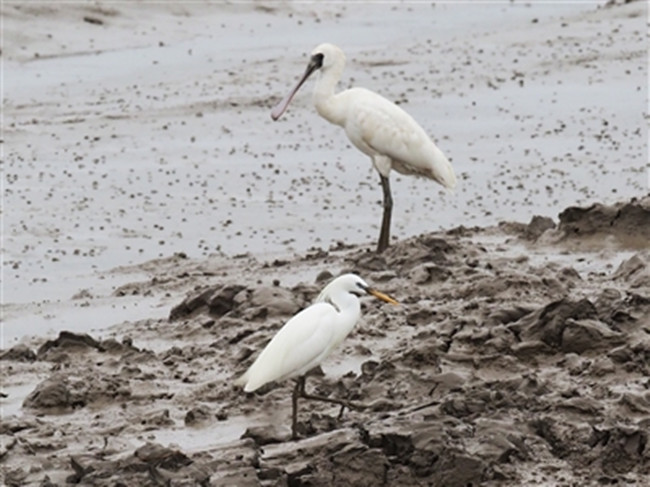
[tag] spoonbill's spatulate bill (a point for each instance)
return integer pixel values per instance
(309, 337)
(376, 126)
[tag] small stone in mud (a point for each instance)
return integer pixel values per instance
(395, 440)
(427, 272)
(548, 323)
(190, 304)
(113, 346)
(197, 415)
(163, 457)
(537, 226)
(324, 276)
(635, 271)
(266, 434)
(13, 424)
(69, 341)
(222, 301)
(436, 244)
(19, 353)
(275, 300)
(507, 315)
(370, 261)
(47, 482)
(207, 324)
(49, 394)
(156, 419)
(587, 335)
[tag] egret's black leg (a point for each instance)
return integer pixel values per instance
(300, 386)
(384, 235)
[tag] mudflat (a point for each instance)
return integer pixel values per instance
(158, 228)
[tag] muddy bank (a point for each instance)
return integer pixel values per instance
(623, 221)
(508, 362)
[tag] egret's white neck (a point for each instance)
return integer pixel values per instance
(325, 100)
(349, 308)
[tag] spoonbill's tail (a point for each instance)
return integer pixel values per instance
(441, 170)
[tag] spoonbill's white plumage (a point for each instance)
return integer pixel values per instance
(309, 337)
(374, 125)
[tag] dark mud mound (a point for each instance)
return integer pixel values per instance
(625, 224)
(61, 392)
(532, 231)
(630, 220)
(149, 465)
(236, 300)
(66, 390)
(19, 353)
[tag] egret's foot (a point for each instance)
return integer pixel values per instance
(300, 393)
(298, 436)
(341, 402)
(352, 406)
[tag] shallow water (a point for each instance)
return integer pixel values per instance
(117, 156)
(205, 437)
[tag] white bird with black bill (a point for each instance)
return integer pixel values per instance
(375, 126)
(308, 338)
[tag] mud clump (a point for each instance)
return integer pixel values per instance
(19, 353)
(226, 300)
(68, 341)
(219, 300)
(151, 464)
(623, 220)
(50, 394)
(635, 270)
(63, 392)
(537, 226)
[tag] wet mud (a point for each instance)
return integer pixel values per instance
(510, 361)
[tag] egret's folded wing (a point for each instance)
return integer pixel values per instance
(297, 347)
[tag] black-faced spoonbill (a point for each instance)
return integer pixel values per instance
(308, 338)
(376, 126)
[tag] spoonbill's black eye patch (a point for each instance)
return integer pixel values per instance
(317, 59)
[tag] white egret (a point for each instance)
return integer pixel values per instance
(376, 126)
(309, 337)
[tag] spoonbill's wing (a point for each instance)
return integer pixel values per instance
(378, 127)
